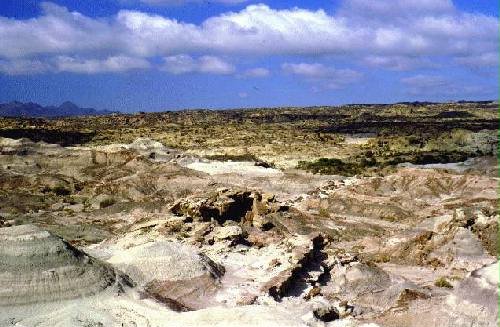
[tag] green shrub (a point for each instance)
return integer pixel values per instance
(442, 282)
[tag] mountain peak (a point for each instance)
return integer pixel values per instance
(68, 105)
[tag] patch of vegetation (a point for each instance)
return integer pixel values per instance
(334, 166)
(369, 162)
(454, 114)
(442, 282)
(389, 217)
(69, 212)
(61, 190)
(107, 203)
(324, 212)
(426, 158)
(329, 166)
(65, 138)
(381, 258)
(419, 133)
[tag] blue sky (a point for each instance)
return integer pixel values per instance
(150, 55)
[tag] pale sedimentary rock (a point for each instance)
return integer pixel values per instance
(36, 266)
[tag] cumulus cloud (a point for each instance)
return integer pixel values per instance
(430, 85)
(398, 63)
(320, 71)
(328, 76)
(182, 64)
(418, 83)
(362, 30)
(92, 66)
(73, 65)
(307, 70)
(23, 66)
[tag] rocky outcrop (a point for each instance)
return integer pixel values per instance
(348, 250)
(225, 204)
(37, 266)
(303, 274)
(475, 301)
(221, 206)
(172, 273)
(326, 313)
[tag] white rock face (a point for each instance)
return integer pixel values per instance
(386, 241)
(128, 312)
(247, 169)
(36, 266)
(475, 301)
(168, 271)
(161, 260)
(44, 281)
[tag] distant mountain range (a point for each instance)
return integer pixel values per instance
(30, 109)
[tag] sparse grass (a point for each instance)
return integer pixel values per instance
(69, 212)
(390, 217)
(442, 282)
(324, 212)
(107, 203)
(381, 258)
(401, 133)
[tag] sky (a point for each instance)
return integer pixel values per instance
(153, 55)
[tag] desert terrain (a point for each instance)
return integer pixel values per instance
(358, 215)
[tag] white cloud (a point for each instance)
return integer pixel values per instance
(403, 29)
(483, 60)
(256, 72)
(182, 64)
(328, 76)
(307, 70)
(92, 66)
(431, 85)
(243, 95)
(398, 63)
(23, 66)
(420, 81)
(57, 31)
(320, 71)
(73, 65)
(214, 65)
